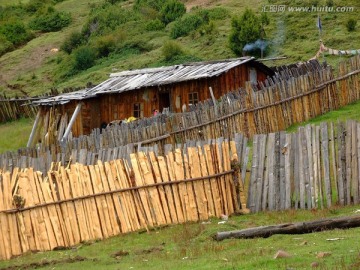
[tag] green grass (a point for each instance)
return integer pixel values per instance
(190, 246)
(14, 135)
(291, 34)
(349, 112)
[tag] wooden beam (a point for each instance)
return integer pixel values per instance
(214, 100)
(71, 123)
(33, 131)
(292, 228)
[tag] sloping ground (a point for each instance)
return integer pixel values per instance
(33, 69)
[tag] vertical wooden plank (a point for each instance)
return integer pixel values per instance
(213, 182)
(348, 135)
(283, 149)
(301, 170)
(201, 201)
(143, 196)
(207, 185)
(341, 164)
(158, 179)
(319, 186)
(309, 146)
(253, 177)
(230, 187)
(186, 193)
(168, 190)
(260, 172)
(334, 159)
(287, 152)
(178, 206)
(154, 199)
(326, 162)
(271, 171)
(354, 163)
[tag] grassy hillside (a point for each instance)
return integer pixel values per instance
(34, 68)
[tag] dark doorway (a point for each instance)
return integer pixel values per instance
(164, 101)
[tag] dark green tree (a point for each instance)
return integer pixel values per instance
(245, 29)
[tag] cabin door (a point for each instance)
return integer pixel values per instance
(164, 101)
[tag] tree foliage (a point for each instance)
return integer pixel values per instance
(244, 29)
(351, 25)
(51, 21)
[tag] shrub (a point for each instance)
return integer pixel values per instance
(72, 42)
(51, 21)
(245, 29)
(107, 18)
(16, 33)
(351, 25)
(171, 49)
(154, 25)
(218, 13)
(5, 45)
(188, 23)
(105, 45)
(84, 58)
(172, 10)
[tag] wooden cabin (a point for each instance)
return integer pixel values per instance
(139, 92)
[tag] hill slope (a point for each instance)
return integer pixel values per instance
(37, 66)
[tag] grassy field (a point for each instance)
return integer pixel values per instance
(190, 246)
(34, 69)
(14, 135)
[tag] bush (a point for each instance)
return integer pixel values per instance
(218, 13)
(105, 45)
(351, 25)
(72, 42)
(16, 33)
(188, 23)
(84, 58)
(107, 18)
(5, 45)
(155, 25)
(51, 21)
(246, 29)
(172, 10)
(329, 3)
(171, 49)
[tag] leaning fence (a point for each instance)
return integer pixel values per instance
(77, 203)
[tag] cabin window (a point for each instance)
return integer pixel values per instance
(253, 75)
(193, 98)
(138, 110)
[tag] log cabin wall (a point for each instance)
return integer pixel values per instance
(186, 92)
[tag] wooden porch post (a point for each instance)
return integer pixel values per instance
(34, 128)
(71, 123)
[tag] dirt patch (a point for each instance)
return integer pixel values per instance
(150, 250)
(119, 254)
(45, 262)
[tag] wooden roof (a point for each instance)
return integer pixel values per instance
(140, 78)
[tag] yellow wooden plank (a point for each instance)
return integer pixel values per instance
(194, 165)
(170, 168)
(104, 187)
(143, 195)
(168, 189)
(208, 191)
(152, 191)
(158, 179)
(87, 190)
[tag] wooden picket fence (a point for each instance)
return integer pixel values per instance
(292, 96)
(318, 166)
(13, 109)
(77, 203)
